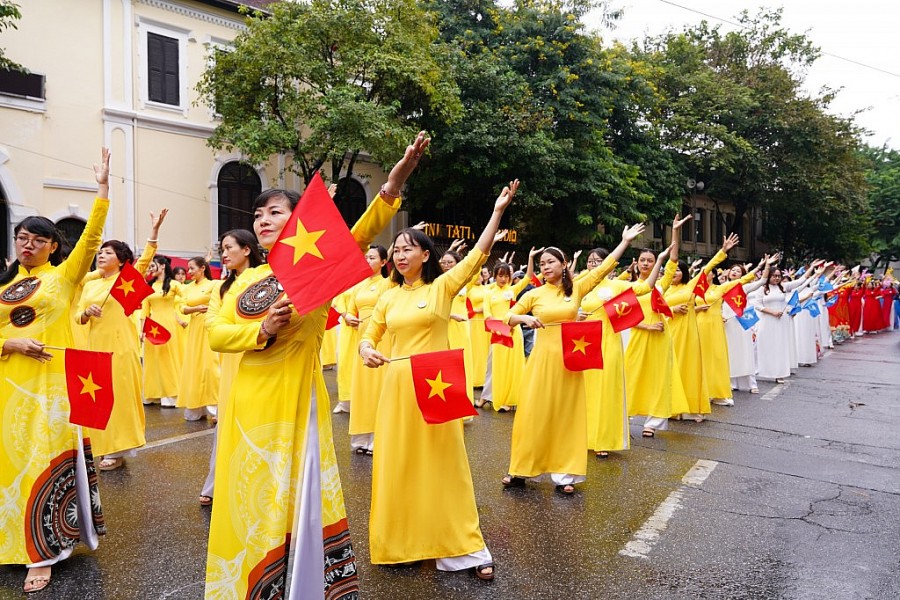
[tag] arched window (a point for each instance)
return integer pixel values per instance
(239, 185)
(351, 200)
(71, 229)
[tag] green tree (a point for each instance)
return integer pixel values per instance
(9, 14)
(325, 80)
(883, 177)
(544, 102)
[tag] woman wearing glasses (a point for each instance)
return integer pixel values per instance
(48, 483)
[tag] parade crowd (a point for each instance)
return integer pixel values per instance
(235, 350)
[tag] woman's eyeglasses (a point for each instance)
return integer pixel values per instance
(36, 242)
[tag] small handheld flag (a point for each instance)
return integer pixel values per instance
(155, 333)
(439, 379)
(130, 289)
(90, 387)
(582, 342)
(624, 310)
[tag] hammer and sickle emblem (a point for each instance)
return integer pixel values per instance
(623, 308)
(739, 301)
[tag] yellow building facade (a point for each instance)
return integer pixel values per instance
(122, 74)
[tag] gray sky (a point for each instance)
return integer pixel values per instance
(865, 31)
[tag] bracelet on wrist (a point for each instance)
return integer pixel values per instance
(264, 331)
(149, 241)
(385, 195)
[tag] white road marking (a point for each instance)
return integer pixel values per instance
(177, 438)
(647, 536)
(773, 393)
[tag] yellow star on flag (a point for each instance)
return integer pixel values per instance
(580, 345)
(127, 286)
(437, 386)
(154, 330)
(304, 242)
(88, 386)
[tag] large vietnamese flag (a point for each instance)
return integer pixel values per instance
(581, 343)
(316, 257)
(89, 386)
(624, 310)
(130, 289)
(439, 379)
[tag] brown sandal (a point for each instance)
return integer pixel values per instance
(567, 489)
(485, 572)
(35, 583)
(511, 481)
(648, 433)
(206, 500)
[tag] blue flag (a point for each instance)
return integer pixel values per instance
(813, 307)
(831, 301)
(794, 304)
(749, 318)
(825, 285)
(800, 271)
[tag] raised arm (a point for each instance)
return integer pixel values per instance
(76, 266)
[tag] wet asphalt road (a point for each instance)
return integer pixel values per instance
(801, 499)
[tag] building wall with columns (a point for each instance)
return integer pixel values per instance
(97, 92)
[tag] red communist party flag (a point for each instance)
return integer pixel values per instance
(702, 285)
(470, 309)
(155, 333)
(89, 386)
(333, 318)
(736, 298)
(439, 379)
(581, 345)
(624, 310)
(316, 257)
(130, 289)
(535, 281)
(659, 304)
(501, 333)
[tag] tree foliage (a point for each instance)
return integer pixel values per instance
(9, 14)
(325, 80)
(883, 177)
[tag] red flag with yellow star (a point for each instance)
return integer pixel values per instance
(581, 345)
(439, 379)
(155, 333)
(702, 285)
(316, 257)
(736, 298)
(130, 289)
(501, 333)
(334, 317)
(624, 310)
(89, 386)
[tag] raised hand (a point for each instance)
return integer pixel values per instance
(101, 171)
(420, 226)
(678, 222)
(506, 195)
(455, 244)
(575, 256)
(730, 242)
(499, 237)
(406, 165)
(629, 234)
(332, 190)
(156, 222)
(534, 252)
(665, 253)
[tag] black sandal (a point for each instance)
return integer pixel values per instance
(602, 454)
(568, 489)
(510, 481)
(482, 573)
(360, 451)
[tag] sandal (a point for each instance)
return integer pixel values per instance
(205, 500)
(567, 489)
(368, 452)
(480, 403)
(484, 572)
(110, 464)
(360, 450)
(510, 481)
(35, 583)
(648, 432)
(602, 454)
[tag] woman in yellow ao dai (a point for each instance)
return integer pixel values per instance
(200, 374)
(686, 336)
(550, 429)
(109, 330)
(162, 363)
(48, 483)
(651, 381)
(280, 502)
(365, 384)
(606, 402)
(423, 498)
(507, 365)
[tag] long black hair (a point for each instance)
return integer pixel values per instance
(685, 271)
(766, 285)
(166, 264)
(431, 268)
(244, 239)
(201, 262)
(122, 251)
(566, 281)
(382, 252)
(43, 227)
